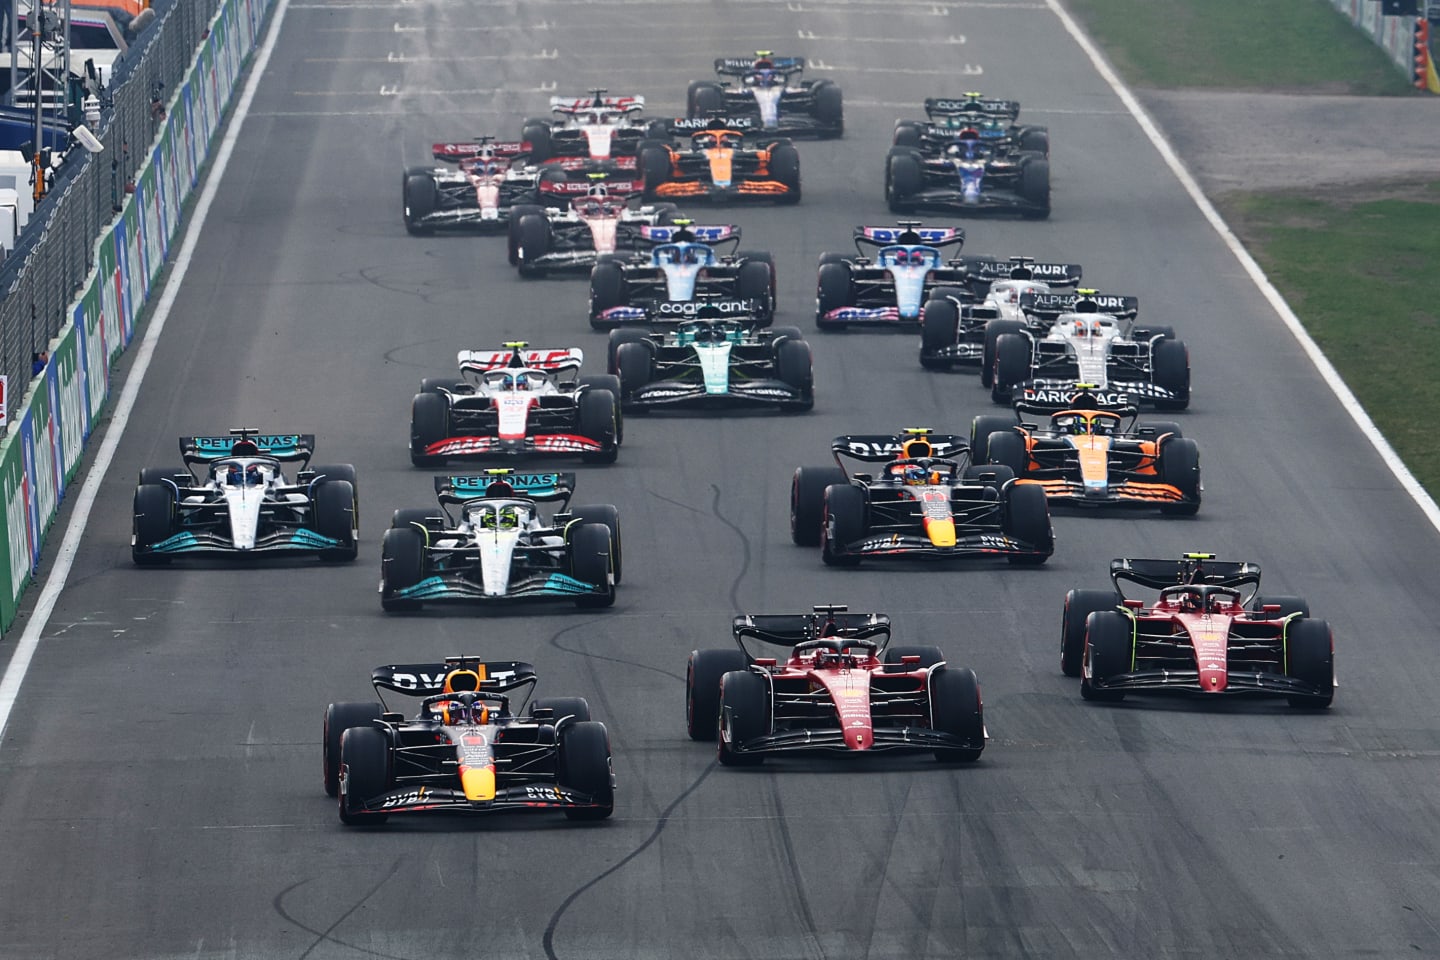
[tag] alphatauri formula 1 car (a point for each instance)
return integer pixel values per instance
(769, 90)
(954, 329)
(243, 505)
(472, 748)
(828, 681)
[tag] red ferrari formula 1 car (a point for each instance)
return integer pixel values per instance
(836, 686)
(1209, 633)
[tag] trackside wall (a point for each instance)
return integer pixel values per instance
(46, 442)
(1404, 39)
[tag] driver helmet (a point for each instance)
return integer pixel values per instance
(915, 475)
(235, 474)
(458, 712)
(515, 381)
(764, 70)
(254, 476)
(506, 518)
(705, 141)
(1190, 602)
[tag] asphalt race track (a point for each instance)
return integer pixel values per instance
(161, 789)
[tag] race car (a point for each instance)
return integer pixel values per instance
(713, 362)
(1088, 457)
(721, 163)
(243, 505)
(684, 268)
(909, 268)
(954, 329)
(995, 120)
(969, 174)
(489, 179)
(498, 548)
(1092, 339)
(1209, 632)
(833, 685)
(517, 402)
(921, 504)
(597, 127)
(470, 748)
(768, 89)
(605, 219)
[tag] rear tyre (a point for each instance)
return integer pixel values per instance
(1007, 448)
(980, 430)
(429, 424)
(365, 758)
(1288, 605)
(335, 518)
(583, 765)
(1310, 658)
(1180, 468)
(785, 167)
(597, 418)
(702, 689)
(993, 331)
(907, 134)
(576, 708)
(154, 521)
(633, 361)
(427, 517)
(956, 709)
(1035, 140)
(538, 136)
(162, 476)
(829, 107)
(929, 655)
(1035, 189)
(617, 337)
(755, 280)
(1110, 652)
(745, 707)
(807, 502)
(705, 98)
(1027, 519)
(402, 565)
(843, 525)
(654, 167)
(607, 514)
(833, 291)
(903, 179)
(590, 549)
(795, 366)
(939, 331)
(420, 196)
(1079, 604)
(608, 381)
(1012, 366)
(607, 290)
(1170, 361)
(340, 717)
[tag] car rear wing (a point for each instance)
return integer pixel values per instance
(618, 189)
(952, 106)
(428, 679)
(1024, 268)
(500, 150)
(789, 629)
(573, 105)
(517, 355)
(691, 232)
(912, 444)
(744, 311)
(499, 482)
(1051, 305)
(908, 232)
(688, 126)
(739, 66)
(1192, 568)
(286, 447)
(1086, 397)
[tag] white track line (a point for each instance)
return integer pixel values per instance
(1257, 276)
(85, 502)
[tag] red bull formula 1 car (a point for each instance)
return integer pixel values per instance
(472, 748)
(828, 681)
(1209, 633)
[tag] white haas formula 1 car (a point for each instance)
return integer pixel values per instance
(597, 127)
(517, 402)
(954, 329)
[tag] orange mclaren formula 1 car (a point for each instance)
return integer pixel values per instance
(719, 165)
(1088, 457)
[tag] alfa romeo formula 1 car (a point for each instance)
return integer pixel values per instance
(909, 267)
(769, 89)
(496, 547)
(597, 127)
(996, 121)
(969, 174)
(1089, 457)
(722, 162)
(243, 504)
(1209, 632)
(921, 504)
(833, 684)
(488, 180)
(954, 329)
(515, 402)
(1092, 339)
(471, 748)
(713, 362)
(683, 270)
(605, 220)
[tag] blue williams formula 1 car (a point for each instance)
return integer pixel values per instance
(969, 174)
(471, 748)
(768, 89)
(244, 505)
(487, 542)
(888, 290)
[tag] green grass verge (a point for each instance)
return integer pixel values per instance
(1282, 45)
(1359, 268)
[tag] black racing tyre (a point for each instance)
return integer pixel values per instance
(538, 136)
(1170, 366)
(1180, 468)
(785, 167)
(795, 365)
(1287, 605)
(607, 289)
(590, 562)
(531, 241)
(1034, 140)
(745, 706)
(619, 336)
(1162, 427)
(583, 764)
(430, 518)
(993, 331)
(755, 280)
(655, 167)
(939, 330)
(1147, 332)
(576, 708)
(829, 107)
(765, 257)
(980, 429)
(429, 423)
(703, 671)
(1109, 651)
(402, 564)
(420, 199)
(1007, 448)
(597, 417)
(608, 381)
(705, 98)
(1035, 188)
(779, 335)
(341, 471)
(162, 476)
(1310, 658)
(340, 717)
(832, 291)
(807, 502)
(512, 228)
(831, 256)
(844, 524)
(440, 384)
(365, 757)
(607, 514)
(1012, 366)
(929, 655)
(335, 518)
(154, 520)
(903, 179)
(990, 474)
(666, 214)
(1027, 519)
(907, 134)
(635, 363)
(1079, 604)
(956, 709)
